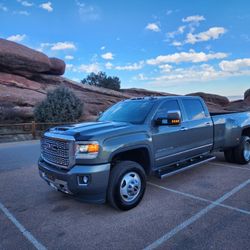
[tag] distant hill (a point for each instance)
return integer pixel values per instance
(26, 75)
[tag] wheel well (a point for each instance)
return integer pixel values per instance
(246, 132)
(139, 155)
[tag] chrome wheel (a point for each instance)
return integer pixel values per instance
(247, 151)
(130, 186)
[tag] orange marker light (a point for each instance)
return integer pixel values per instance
(93, 148)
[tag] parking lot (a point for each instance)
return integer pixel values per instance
(202, 208)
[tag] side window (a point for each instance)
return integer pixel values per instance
(171, 105)
(194, 109)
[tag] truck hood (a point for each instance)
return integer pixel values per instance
(93, 130)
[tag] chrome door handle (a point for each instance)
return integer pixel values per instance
(184, 129)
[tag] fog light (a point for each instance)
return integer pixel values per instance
(83, 180)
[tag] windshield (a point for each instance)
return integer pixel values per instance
(128, 111)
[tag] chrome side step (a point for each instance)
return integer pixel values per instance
(178, 169)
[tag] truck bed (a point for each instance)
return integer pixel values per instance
(228, 127)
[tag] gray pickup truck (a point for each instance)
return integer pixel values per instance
(111, 158)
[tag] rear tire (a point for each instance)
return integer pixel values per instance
(242, 151)
(229, 155)
(127, 185)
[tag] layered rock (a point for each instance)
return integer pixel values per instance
(21, 60)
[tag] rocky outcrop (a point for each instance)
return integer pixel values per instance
(21, 60)
(23, 94)
(27, 75)
(57, 66)
(247, 96)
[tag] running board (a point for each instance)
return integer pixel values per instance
(178, 168)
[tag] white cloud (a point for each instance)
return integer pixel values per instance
(103, 48)
(131, 67)
(193, 19)
(140, 77)
(62, 46)
(153, 27)
(21, 12)
(235, 65)
(88, 12)
(108, 56)
(212, 33)
(199, 73)
(190, 56)
(46, 6)
(57, 46)
(176, 43)
(69, 57)
(3, 7)
(165, 68)
(179, 31)
(25, 3)
(16, 38)
(203, 72)
(108, 65)
(69, 66)
(89, 68)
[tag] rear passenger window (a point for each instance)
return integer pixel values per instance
(194, 109)
(171, 105)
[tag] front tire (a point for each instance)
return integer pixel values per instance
(127, 185)
(242, 151)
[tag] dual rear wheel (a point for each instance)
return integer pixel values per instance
(239, 154)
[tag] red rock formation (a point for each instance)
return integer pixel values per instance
(21, 60)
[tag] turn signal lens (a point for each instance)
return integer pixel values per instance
(93, 148)
(87, 148)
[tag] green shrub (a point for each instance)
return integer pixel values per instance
(61, 105)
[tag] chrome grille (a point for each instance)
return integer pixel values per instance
(57, 152)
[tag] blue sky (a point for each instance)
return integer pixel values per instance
(173, 46)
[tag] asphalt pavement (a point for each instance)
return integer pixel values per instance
(202, 208)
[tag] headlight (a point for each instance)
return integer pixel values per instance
(87, 150)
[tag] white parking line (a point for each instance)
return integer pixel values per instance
(199, 198)
(195, 217)
(22, 229)
(229, 166)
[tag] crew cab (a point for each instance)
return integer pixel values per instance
(110, 159)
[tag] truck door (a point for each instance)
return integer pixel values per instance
(169, 141)
(200, 127)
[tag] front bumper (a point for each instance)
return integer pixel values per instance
(68, 181)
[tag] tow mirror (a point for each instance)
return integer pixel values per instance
(173, 118)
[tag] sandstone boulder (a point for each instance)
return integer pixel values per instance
(57, 66)
(21, 60)
(16, 57)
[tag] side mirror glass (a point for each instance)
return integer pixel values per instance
(173, 118)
